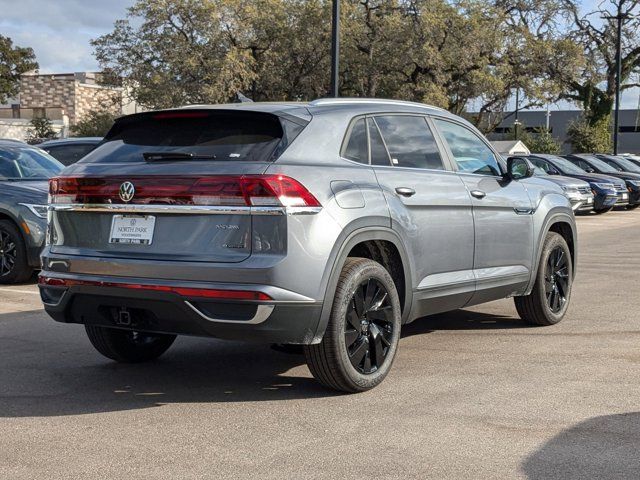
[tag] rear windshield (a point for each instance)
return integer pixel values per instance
(215, 135)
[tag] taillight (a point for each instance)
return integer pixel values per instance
(222, 190)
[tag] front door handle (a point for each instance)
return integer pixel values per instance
(478, 194)
(405, 191)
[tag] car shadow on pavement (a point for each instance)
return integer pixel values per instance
(462, 320)
(50, 369)
(601, 447)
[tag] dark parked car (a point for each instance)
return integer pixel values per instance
(326, 224)
(620, 162)
(593, 164)
(69, 150)
(608, 191)
(633, 158)
(24, 175)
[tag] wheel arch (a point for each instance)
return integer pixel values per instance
(563, 223)
(359, 241)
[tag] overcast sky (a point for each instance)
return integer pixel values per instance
(59, 31)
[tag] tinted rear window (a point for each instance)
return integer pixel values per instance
(217, 134)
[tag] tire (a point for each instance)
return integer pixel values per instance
(602, 210)
(549, 300)
(126, 346)
(633, 207)
(14, 267)
(369, 327)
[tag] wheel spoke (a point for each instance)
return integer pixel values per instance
(353, 319)
(377, 345)
(384, 314)
(358, 300)
(350, 337)
(367, 361)
(559, 258)
(370, 293)
(358, 352)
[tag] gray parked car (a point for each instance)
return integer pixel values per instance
(327, 224)
(24, 176)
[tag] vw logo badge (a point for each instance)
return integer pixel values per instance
(127, 191)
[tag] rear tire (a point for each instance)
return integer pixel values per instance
(14, 267)
(548, 301)
(126, 346)
(363, 332)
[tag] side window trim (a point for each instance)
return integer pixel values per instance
(451, 157)
(384, 142)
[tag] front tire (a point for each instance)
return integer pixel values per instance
(361, 340)
(126, 346)
(549, 300)
(14, 267)
(602, 210)
(633, 207)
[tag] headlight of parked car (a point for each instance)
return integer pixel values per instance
(39, 211)
(604, 186)
(635, 183)
(570, 189)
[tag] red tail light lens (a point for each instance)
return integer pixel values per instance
(182, 291)
(223, 190)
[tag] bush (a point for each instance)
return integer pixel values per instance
(541, 141)
(587, 138)
(95, 124)
(41, 129)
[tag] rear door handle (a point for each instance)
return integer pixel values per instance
(478, 194)
(405, 191)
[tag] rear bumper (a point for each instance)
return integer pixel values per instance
(286, 318)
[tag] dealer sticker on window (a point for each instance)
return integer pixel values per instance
(132, 229)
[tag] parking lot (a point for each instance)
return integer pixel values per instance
(473, 394)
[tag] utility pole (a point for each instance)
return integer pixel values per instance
(516, 123)
(335, 50)
(620, 17)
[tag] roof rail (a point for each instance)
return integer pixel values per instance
(381, 101)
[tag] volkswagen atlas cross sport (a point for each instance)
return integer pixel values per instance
(327, 224)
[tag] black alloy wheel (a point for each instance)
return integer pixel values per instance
(369, 326)
(556, 279)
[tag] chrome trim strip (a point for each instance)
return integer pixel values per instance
(183, 209)
(262, 313)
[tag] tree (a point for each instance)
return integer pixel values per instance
(41, 129)
(96, 124)
(594, 88)
(541, 141)
(586, 136)
(14, 61)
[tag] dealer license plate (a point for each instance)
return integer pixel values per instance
(132, 229)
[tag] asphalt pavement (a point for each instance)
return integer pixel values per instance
(472, 394)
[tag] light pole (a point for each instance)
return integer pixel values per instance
(620, 17)
(335, 50)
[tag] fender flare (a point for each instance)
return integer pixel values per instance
(556, 215)
(355, 237)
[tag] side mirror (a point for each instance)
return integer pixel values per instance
(589, 170)
(518, 168)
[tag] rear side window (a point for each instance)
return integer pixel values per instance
(217, 135)
(356, 148)
(69, 154)
(379, 154)
(410, 142)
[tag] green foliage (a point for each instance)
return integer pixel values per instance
(14, 61)
(95, 124)
(590, 138)
(458, 55)
(541, 141)
(41, 129)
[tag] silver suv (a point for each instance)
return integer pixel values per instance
(326, 224)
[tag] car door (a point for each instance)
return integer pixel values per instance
(502, 213)
(430, 209)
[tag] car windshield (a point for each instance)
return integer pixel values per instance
(26, 163)
(566, 166)
(628, 165)
(602, 165)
